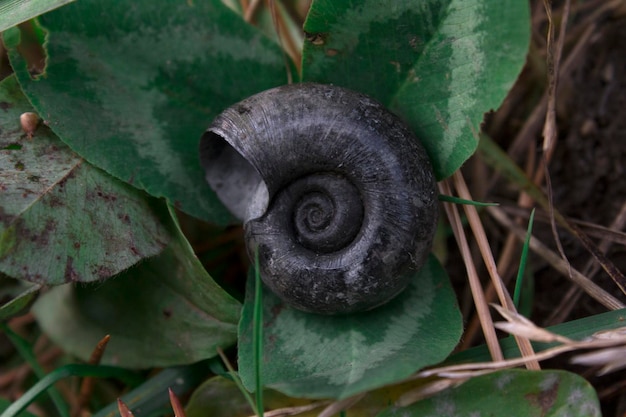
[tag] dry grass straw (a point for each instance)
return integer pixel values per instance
(589, 270)
(293, 411)
(557, 262)
(609, 346)
(607, 351)
(478, 295)
(485, 250)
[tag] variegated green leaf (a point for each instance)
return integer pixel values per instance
(61, 219)
(310, 355)
(439, 64)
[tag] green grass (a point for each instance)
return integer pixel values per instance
(257, 336)
(523, 260)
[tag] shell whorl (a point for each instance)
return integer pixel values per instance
(335, 193)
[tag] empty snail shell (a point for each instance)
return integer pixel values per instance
(335, 192)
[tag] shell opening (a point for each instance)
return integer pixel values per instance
(236, 182)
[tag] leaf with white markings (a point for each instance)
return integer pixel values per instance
(131, 87)
(319, 356)
(439, 64)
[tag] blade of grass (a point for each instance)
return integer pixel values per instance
(26, 352)
(457, 200)
(4, 404)
(257, 336)
(18, 304)
(47, 381)
(523, 260)
(13, 12)
(233, 374)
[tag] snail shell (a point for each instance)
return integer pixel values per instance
(335, 192)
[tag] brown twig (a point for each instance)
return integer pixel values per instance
(179, 410)
(250, 11)
(87, 384)
(123, 409)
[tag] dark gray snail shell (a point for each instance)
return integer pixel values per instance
(335, 192)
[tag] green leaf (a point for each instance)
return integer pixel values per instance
(439, 64)
(309, 355)
(61, 219)
(220, 397)
(16, 297)
(511, 393)
(131, 88)
(13, 12)
(166, 311)
(257, 335)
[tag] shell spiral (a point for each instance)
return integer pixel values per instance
(335, 192)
